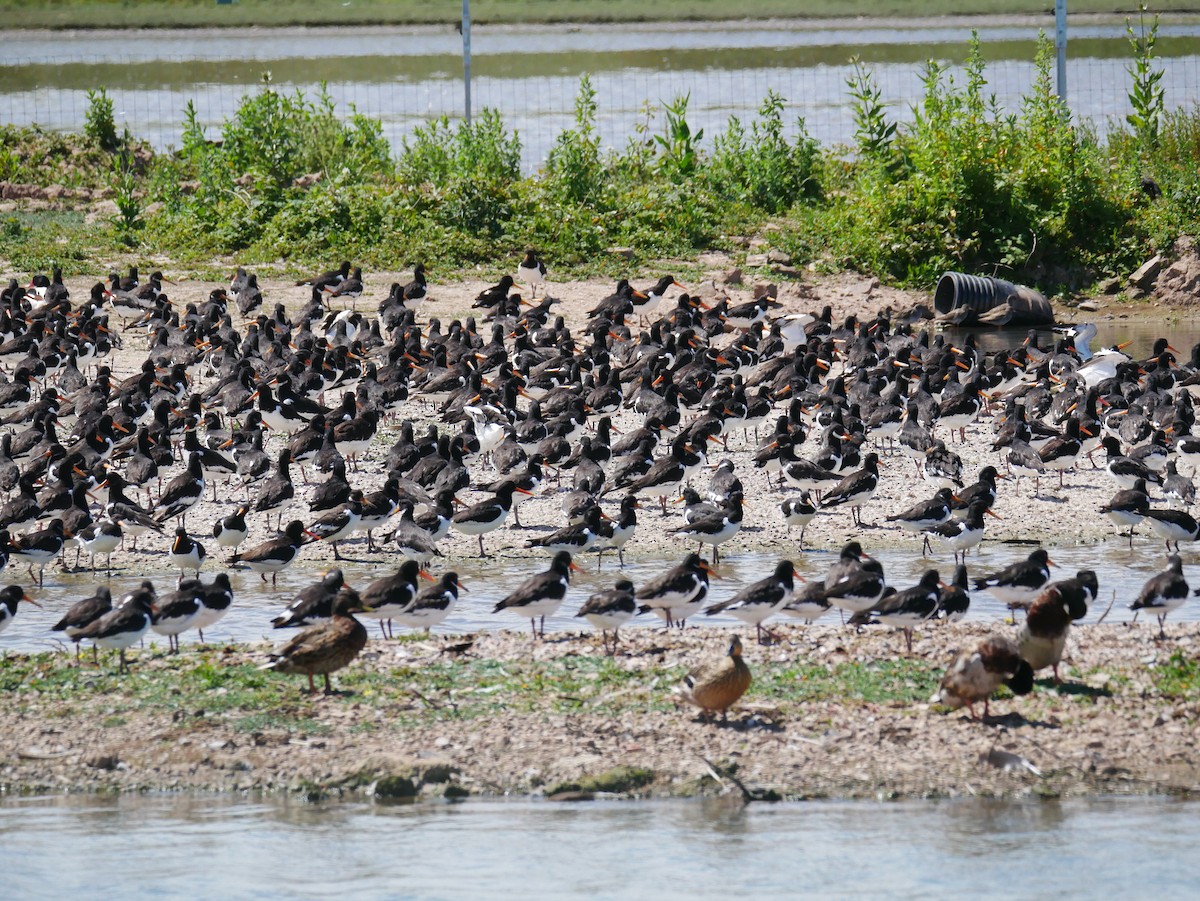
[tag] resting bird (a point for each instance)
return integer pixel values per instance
(979, 671)
(324, 648)
(716, 685)
(1163, 593)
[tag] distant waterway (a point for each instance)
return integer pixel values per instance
(531, 74)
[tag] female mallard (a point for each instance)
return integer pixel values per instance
(979, 671)
(717, 684)
(327, 647)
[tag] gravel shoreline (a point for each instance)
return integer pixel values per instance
(1112, 728)
(1120, 723)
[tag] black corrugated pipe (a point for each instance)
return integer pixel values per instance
(968, 299)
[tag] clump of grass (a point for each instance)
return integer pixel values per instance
(1178, 678)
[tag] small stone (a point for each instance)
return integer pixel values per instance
(732, 276)
(393, 787)
(625, 253)
(572, 796)
(1088, 306)
(766, 289)
(102, 761)
(756, 259)
(1109, 287)
(779, 257)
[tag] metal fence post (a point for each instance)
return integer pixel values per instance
(1060, 44)
(466, 33)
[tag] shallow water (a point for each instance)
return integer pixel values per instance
(151, 846)
(1120, 571)
(405, 77)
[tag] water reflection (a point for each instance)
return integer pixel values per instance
(222, 848)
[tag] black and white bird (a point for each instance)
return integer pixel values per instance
(1019, 583)
(82, 614)
(855, 489)
(679, 591)
(905, 609)
(433, 604)
(799, 511)
(182, 493)
(716, 528)
(960, 535)
(541, 595)
(275, 553)
(610, 609)
(532, 271)
(314, 603)
(10, 599)
(925, 515)
(124, 625)
(1163, 593)
(488, 515)
(954, 600)
(1173, 526)
(759, 601)
(231, 530)
(1128, 508)
(386, 597)
(186, 553)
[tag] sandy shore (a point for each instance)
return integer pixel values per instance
(1112, 728)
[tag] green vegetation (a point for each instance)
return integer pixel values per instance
(208, 13)
(1178, 678)
(1029, 194)
(201, 685)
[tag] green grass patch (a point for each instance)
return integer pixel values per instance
(876, 682)
(1178, 678)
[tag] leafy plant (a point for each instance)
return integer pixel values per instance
(99, 124)
(1146, 94)
(764, 169)
(678, 147)
(872, 130)
(573, 168)
(128, 220)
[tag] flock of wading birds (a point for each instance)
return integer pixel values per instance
(520, 393)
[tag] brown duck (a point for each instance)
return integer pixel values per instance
(325, 648)
(980, 670)
(716, 685)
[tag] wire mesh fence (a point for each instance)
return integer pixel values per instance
(150, 96)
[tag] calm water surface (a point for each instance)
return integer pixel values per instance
(531, 75)
(145, 847)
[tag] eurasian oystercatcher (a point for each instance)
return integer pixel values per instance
(542, 594)
(313, 603)
(677, 589)
(610, 609)
(82, 614)
(124, 625)
(384, 598)
(1019, 583)
(755, 603)
(486, 516)
(10, 599)
(433, 604)
(186, 553)
(275, 553)
(1163, 593)
(231, 530)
